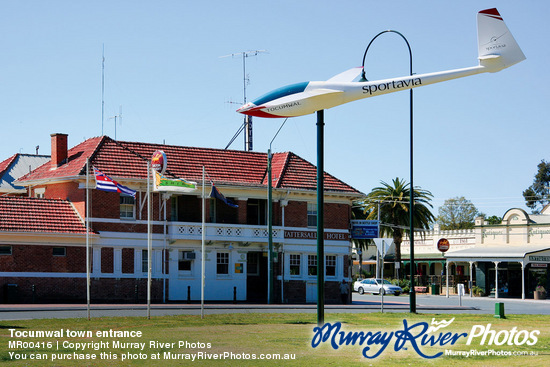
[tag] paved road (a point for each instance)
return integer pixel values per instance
(426, 304)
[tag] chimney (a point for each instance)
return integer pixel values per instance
(59, 149)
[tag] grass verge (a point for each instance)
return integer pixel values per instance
(235, 339)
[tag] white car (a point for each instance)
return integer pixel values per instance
(374, 285)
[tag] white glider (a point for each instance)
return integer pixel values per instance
(497, 50)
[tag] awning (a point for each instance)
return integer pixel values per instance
(424, 257)
(527, 253)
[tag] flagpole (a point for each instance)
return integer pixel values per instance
(88, 238)
(203, 236)
(149, 241)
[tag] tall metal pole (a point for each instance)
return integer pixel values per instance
(102, 88)
(412, 294)
(88, 237)
(320, 219)
(270, 272)
(149, 241)
(203, 238)
(269, 230)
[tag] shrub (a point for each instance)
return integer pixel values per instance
(477, 291)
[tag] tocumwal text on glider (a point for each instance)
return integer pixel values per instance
(497, 50)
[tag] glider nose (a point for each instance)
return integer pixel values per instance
(246, 107)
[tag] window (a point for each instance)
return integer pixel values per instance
(311, 215)
(40, 192)
(294, 265)
(330, 264)
(59, 251)
(185, 260)
(5, 250)
(311, 264)
(127, 205)
(222, 263)
(144, 261)
(256, 211)
(253, 263)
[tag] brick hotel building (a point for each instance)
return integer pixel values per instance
(43, 232)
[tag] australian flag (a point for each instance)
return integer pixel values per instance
(105, 183)
(218, 195)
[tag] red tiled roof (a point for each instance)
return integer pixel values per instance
(127, 160)
(24, 214)
(75, 165)
(4, 165)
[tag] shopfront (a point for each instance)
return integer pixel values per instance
(506, 271)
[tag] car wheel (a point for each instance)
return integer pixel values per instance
(361, 290)
(382, 291)
(396, 294)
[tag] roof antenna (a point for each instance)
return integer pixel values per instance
(119, 116)
(247, 124)
(103, 88)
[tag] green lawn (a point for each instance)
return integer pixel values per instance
(248, 335)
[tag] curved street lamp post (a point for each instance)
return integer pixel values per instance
(412, 294)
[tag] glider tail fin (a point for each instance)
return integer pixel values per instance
(497, 48)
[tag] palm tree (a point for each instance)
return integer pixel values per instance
(393, 202)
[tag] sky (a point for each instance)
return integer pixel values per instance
(480, 137)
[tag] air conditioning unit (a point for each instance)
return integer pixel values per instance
(189, 256)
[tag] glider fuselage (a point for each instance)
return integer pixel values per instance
(308, 97)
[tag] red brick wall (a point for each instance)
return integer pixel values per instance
(106, 205)
(64, 290)
(337, 216)
(128, 260)
(39, 258)
(295, 292)
(296, 214)
(242, 211)
(68, 191)
(277, 214)
(107, 260)
(109, 290)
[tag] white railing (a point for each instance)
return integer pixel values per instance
(223, 232)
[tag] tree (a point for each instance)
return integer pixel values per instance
(493, 219)
(538, 194)
(393, 202)
(457, 213)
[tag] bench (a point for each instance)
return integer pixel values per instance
(419, 289)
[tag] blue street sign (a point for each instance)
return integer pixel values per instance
(364, 229)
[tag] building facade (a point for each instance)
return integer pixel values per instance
(236, 263)
(509, 259)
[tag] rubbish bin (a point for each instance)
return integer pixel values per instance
(499, 310)
(435, 289)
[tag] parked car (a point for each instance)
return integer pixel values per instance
(374, 285)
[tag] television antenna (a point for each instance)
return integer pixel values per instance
(119, 116)
(247, 124)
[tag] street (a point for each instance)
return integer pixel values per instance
(426, 304)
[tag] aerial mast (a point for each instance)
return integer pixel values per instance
(247, 124)
(102, 88)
